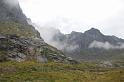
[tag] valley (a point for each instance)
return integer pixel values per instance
(26, 56)
(32, 71)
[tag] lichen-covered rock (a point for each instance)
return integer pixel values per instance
(21, 49)
(20, 41)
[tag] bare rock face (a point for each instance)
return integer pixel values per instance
(20, 41)
(90, 45)
(11, 11)
(22, 48)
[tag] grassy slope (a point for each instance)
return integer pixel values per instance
(14, 28)
(31, 71)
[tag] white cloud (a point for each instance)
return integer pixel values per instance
(106, 15)
(106, 45)
(12, 3)
(48, 33)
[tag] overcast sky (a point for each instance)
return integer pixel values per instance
(77, 15)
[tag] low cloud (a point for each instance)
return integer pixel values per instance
(48, 33)
(11, 3)
(72, 48)
(106, 45)
(65, 46)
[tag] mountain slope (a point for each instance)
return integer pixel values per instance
(11, 11)
(90, 45)
(19, 41)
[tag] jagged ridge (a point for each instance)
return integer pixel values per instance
(90, 45)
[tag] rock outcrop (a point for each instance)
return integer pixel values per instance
(20, 41)
(90, 45)
(11, 11)
(19, 48)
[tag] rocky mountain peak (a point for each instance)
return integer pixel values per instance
(91, 44)
(75, 33)
(10, 11)
(93, 31)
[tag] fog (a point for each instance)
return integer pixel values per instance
(11, 3)
(48, 33)
(77, 15)
(106, 45)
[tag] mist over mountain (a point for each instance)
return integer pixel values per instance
(90, 45)
(29, 53)
(20, 41)
(10, 10)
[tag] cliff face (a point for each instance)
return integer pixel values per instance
(90, 45)
(11, 11)
(19, 41)
(19, 49)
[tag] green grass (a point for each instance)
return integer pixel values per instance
(31, 71)
(13, 28)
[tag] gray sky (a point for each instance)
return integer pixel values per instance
(77, 15)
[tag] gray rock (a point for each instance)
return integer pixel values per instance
(42, 59)
(77, 45)
(19, 41)
(9, 12)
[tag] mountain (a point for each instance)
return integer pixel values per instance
(11, 11)
(90, 45)
(20, 41)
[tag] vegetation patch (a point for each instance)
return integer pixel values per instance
(31, 71)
